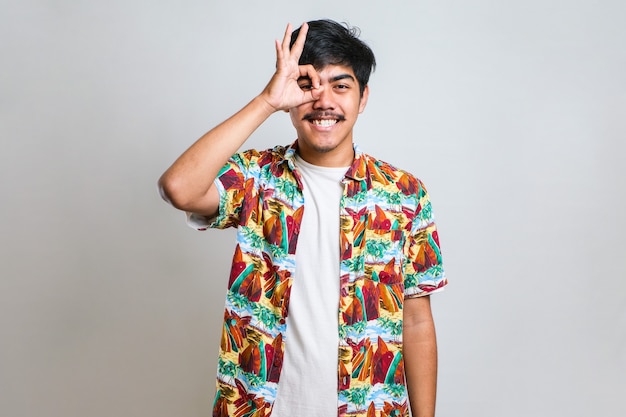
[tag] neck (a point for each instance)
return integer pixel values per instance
(341, 156)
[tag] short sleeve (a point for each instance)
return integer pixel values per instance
(423, 269)
(230, 183)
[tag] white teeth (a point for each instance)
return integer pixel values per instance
(324, 122)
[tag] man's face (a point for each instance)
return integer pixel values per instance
(324, 126)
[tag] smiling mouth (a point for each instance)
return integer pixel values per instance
(324, 122)
(324, 119)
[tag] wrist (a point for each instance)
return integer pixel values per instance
(265, 104)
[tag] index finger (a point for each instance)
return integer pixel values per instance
(298, 46)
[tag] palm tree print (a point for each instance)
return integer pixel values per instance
(266, 316)
(356, 263)
(238, 300)
(394, 327)
(287, 189)
(228, 369)
(375, 249)
(357, 396)
(395, 390)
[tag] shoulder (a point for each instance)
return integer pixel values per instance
(384, 173)
(265, 165)
(276, 153)
(252, 157)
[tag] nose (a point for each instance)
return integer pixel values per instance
(324, 100)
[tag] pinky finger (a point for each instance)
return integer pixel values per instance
(279, 52)
(287, 39)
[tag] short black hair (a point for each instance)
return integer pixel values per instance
(331, 43)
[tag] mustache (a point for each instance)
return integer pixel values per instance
(323, 115)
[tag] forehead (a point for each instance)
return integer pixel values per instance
(332, 71)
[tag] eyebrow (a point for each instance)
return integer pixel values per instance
(341, 77)
(331, 80)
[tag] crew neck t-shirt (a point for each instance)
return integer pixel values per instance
(308, 381)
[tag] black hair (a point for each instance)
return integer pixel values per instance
(331, 43)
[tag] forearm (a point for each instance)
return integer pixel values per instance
(420, 360)
(191, 176)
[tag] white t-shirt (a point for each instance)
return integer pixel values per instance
(308, 381)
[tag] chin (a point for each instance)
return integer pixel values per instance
(324, 144)
(323, 148)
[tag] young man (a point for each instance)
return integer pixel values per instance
(327, 309)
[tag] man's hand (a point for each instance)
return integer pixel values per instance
(283, 91)
(188, 183)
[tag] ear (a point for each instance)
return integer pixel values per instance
(364, 96)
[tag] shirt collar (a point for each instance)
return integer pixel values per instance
(290, 155)
(357, 171)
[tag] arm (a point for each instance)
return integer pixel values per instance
(420, 356)
(188, 183)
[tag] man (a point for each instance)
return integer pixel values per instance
(327, 309)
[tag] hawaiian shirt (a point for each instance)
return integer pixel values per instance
(389, 251)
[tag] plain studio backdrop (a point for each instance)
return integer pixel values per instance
(512, 112)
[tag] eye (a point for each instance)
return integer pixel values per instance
(342, 86)
(305, 83)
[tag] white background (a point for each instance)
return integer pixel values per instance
(512, 112)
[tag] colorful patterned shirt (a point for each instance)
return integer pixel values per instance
(389, 251)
